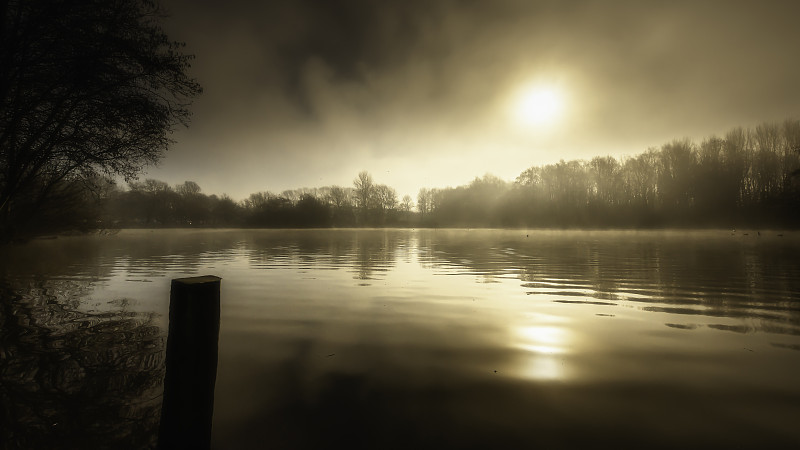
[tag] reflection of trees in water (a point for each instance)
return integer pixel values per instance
(714, 278)
(374, 251)
(366, 251)
(324, 248)
(74, 380)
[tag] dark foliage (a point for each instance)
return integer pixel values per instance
(87, 87)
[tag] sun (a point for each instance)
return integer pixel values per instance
(538, 106)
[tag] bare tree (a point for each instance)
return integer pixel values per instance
(424, 202)
(605, 173)
(364, 187)
(406, 204)
(385, 197)
(338, 197)
(188, 189)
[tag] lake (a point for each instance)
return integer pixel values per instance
(414, 338)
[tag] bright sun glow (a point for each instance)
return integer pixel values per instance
(539, 105)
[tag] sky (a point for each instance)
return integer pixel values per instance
(302, 93)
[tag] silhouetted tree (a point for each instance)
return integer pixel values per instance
(424, 203)
(191, 206)
(312, 212)
(640, 182)
(224, 211)
(364, 193)
(152, 202)
(338, 197)
(406, 205)
(86, 87)
(188, 189)
(605, 180)
(341, 201)
(385, 204)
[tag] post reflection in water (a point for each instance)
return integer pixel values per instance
(416, 338)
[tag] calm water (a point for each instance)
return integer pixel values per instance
(414, 338)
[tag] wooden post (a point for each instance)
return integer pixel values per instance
(188, 403)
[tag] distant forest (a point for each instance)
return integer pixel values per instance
(748, 178)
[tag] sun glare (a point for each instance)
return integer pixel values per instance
(538, 106)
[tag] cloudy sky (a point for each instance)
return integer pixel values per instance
(302, 93)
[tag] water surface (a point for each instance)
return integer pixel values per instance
(415, 338)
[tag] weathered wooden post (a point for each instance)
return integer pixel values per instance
(188, 403)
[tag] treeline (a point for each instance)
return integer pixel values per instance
(749, 177)
(154, 203)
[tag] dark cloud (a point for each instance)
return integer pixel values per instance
(313, 91)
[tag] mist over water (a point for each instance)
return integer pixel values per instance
(416, 338)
